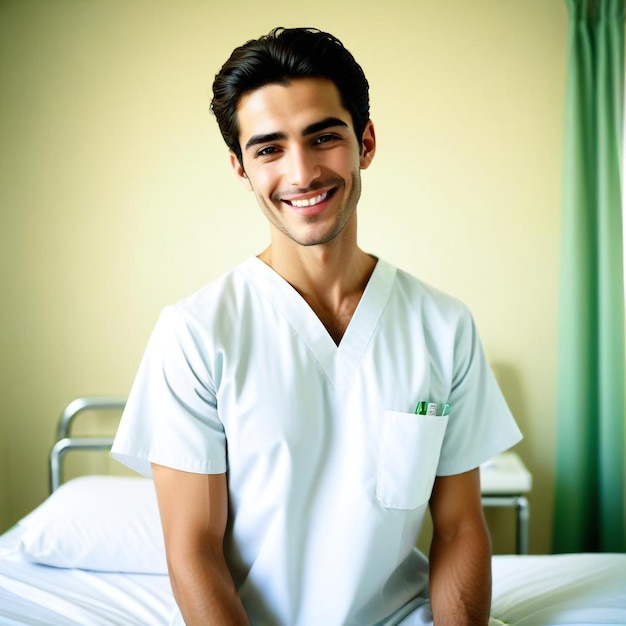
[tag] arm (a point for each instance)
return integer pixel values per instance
(460, 552)
(194, 511)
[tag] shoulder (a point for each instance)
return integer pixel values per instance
(209, 316)
(217, 299)
(432, 303)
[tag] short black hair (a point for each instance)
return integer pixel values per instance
(285, 54)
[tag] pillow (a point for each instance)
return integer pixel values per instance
(100, 523)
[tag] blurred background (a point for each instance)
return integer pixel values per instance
(117, 196)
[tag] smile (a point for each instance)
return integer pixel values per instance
(309, 202)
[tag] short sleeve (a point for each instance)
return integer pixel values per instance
(171, 414)
(480, 424)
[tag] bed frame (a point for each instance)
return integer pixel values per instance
(65, 442)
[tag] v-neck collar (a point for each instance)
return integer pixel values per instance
(338, 362)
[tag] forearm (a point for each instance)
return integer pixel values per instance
(204, 591)
(460, 578)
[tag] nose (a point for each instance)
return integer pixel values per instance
(303, 167)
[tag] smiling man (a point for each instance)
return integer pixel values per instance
(307, 169)
(300, 414)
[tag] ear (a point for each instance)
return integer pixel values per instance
(239, 171)
(368, 144)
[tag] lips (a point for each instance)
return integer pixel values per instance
(308, 203)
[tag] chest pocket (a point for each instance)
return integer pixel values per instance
(408, 457)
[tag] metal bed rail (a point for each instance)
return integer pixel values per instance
(65, 442)
(522, 508)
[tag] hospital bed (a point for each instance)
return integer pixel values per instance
(92, 555)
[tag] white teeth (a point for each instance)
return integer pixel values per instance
(310, 201)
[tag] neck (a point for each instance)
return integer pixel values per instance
(330, 277)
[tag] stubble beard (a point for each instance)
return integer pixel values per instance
(336, 228)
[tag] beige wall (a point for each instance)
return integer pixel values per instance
(116, 194)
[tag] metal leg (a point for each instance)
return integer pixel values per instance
(522, 509)
(523, 515)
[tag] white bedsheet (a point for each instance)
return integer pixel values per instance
(37, 595)
(574, 590)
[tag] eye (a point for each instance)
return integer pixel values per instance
(266, 151)
(326, 138)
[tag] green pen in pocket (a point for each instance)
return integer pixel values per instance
(432, 408)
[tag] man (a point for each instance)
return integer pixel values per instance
(301, 413)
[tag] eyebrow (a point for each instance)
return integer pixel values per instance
(316, 127)
(329, 122)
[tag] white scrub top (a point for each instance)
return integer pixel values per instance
(329, 468)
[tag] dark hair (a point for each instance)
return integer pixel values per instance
(278, 57)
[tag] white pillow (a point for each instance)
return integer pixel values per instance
(100, 523)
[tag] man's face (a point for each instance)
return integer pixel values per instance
(301, 158)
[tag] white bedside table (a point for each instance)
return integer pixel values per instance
(503, 482)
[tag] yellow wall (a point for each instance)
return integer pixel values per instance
(117, 198)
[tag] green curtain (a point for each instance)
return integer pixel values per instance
(590, 481)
